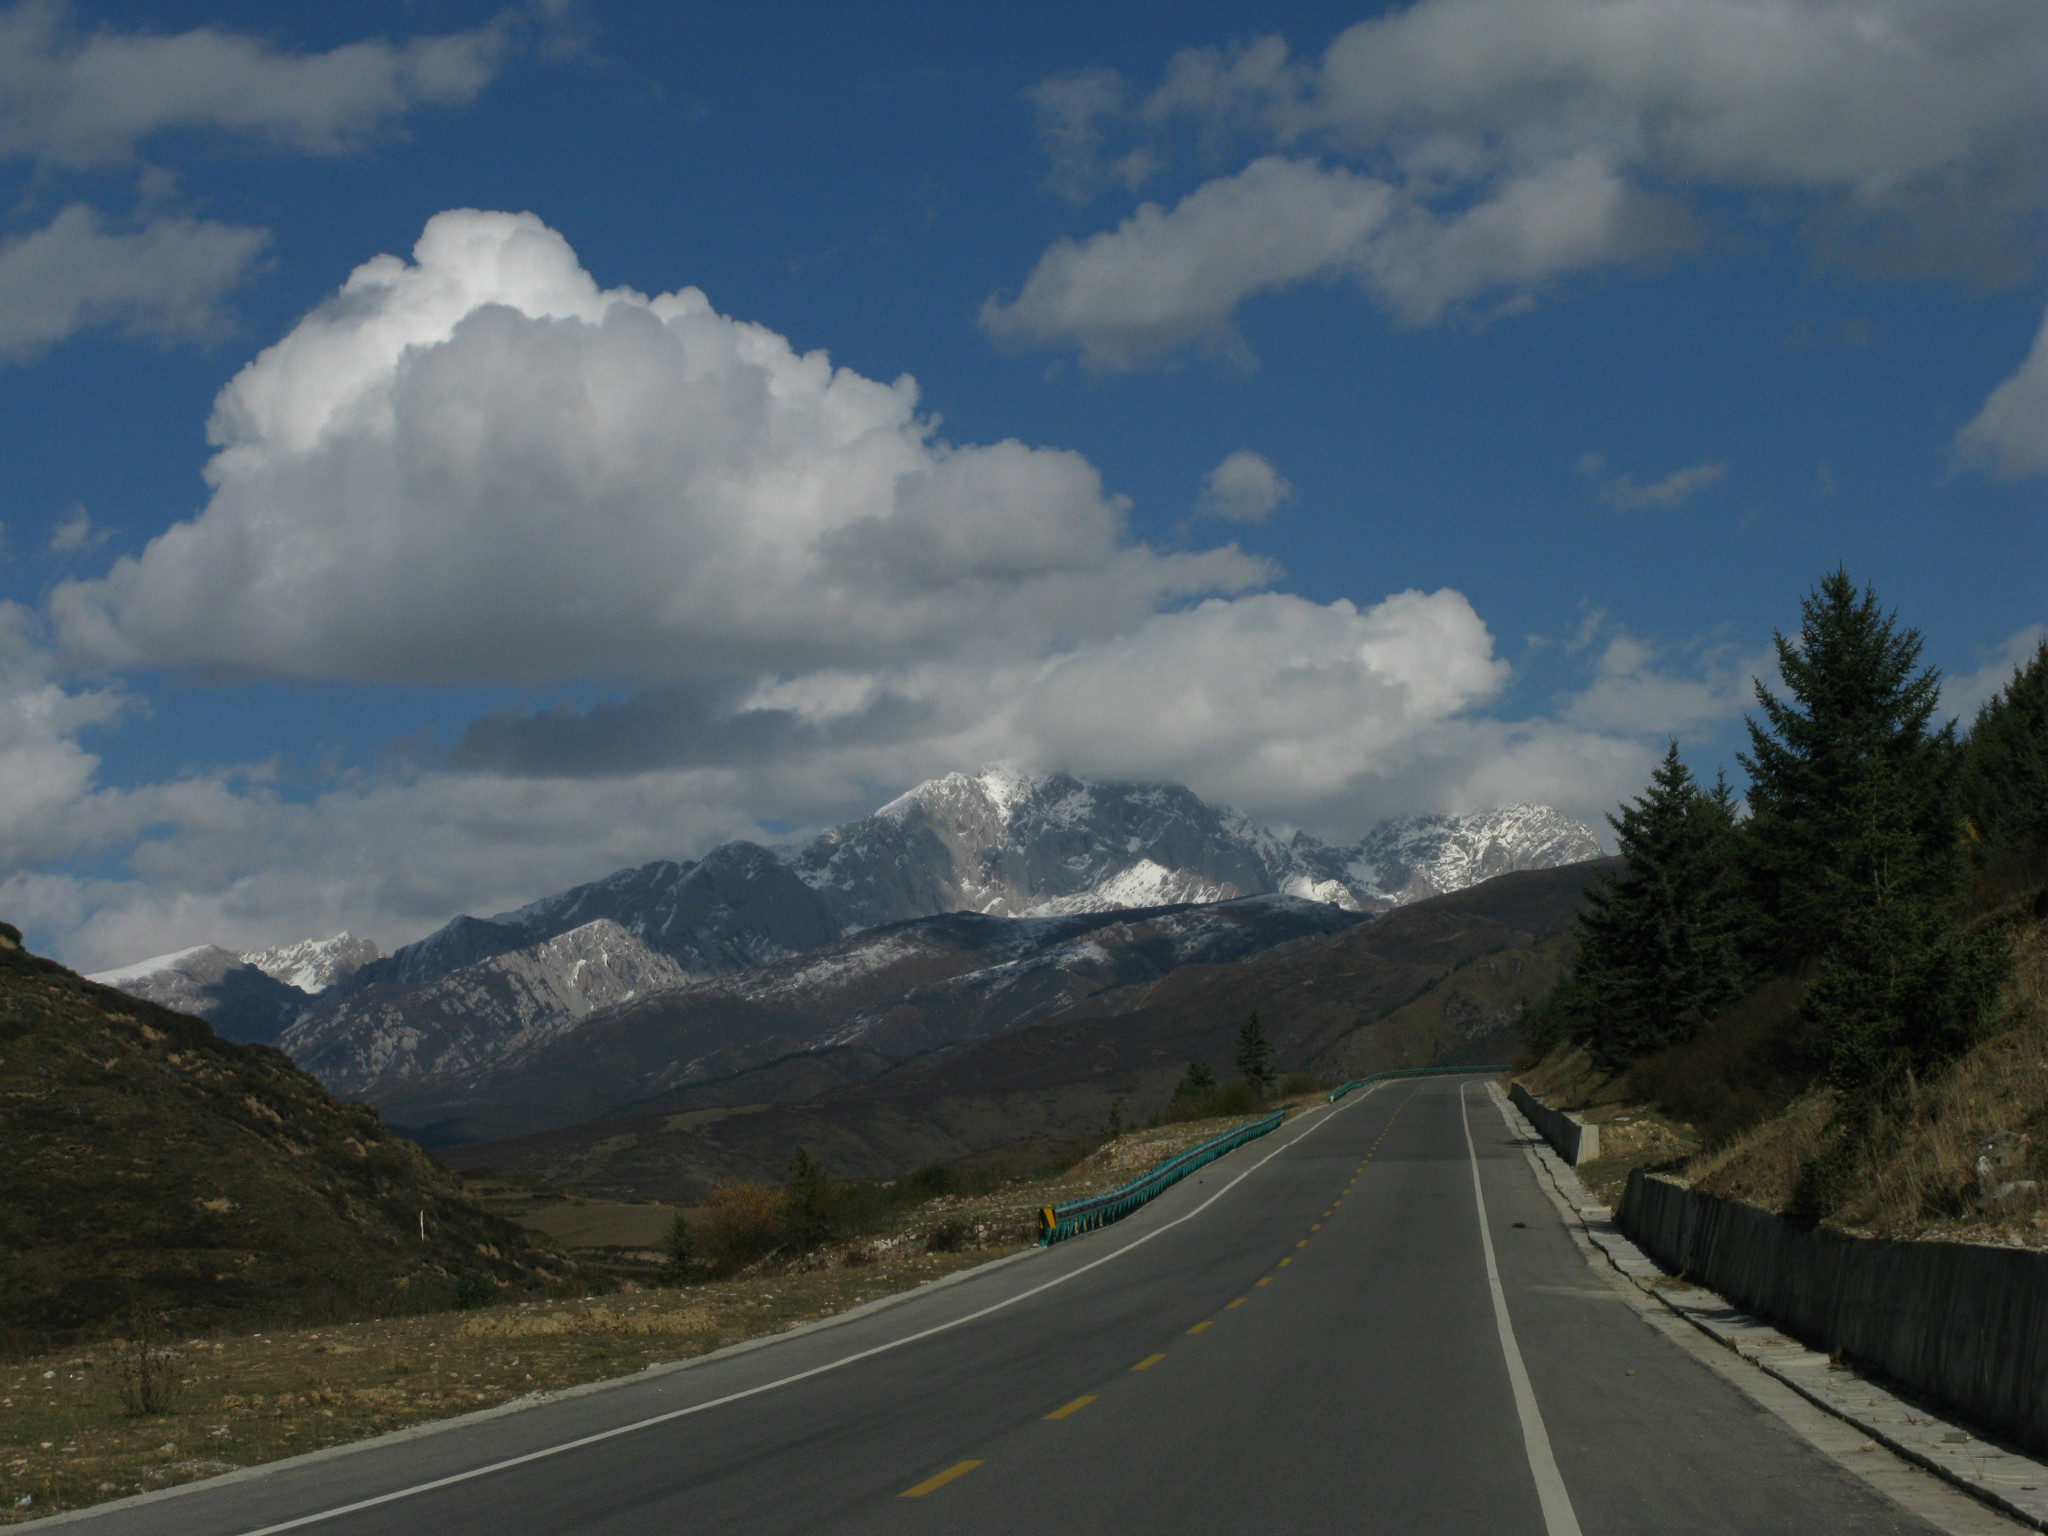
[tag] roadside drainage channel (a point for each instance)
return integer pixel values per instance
(2015, 1484)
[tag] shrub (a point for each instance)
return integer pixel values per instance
(474, 1289)
(742, 1223)
(1213, 1102)
(948, 1236)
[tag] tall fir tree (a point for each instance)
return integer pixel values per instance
(1854, 847)
(2003, 782)
(1255, 1053)
(1658, 951)
(1851, 794)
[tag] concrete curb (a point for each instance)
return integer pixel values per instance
(2014, 1484)
(1576, 1141)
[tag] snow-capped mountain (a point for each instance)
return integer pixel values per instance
(238, 999)
(485, 1014)
(1004, 843)
(1422, 856)
(999, 843)
(314, 965)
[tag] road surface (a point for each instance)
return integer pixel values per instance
(1319, 1333)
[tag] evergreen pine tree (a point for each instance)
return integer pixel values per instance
(2003, 781)
(1657, 944)
(679, 1253)
(1255, 1054)
(807, 1204)
(1854, 847)
(1851, 795)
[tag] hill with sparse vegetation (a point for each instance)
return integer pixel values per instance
(156, 1174)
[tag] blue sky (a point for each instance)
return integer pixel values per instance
(1347, 412)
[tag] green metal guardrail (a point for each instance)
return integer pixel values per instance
(1057, 1223)
(1341, 1089)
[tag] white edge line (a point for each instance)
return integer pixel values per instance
(1558, 1518)
(831, 1365)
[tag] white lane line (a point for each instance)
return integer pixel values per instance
(816, 1370)
(1558, 1519)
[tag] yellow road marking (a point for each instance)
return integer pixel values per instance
(1302, 1244)
(1316, 1226)
(1204, 1323)
(1237, 1303)
(958, 1469)
(1074, 1407)
(1263, 1280)
(1148, 1362)
(1281, 1265)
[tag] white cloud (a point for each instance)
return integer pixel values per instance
(164, 279)
(480, 466)
(1962, 697)
(46, 778)
(75, 532)
(1167, 277)
(1072, 111)
(85, 99)
(1244, 488)
(1322, 715)
(1623, 494)
(1634, 691)
(1501, 148)
(2009, 437)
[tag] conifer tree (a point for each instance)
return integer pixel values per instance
(2003, 781)
(1255, 1053)
(807, 1203)
(1657, 944)
(1854, 847)
(680, 1263)
(1851, 794)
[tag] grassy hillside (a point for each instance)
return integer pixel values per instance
(1963, 1156)
(152, 1165)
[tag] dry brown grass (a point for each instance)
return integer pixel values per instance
(1917, 1176)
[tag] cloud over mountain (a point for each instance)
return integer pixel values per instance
(479, 466)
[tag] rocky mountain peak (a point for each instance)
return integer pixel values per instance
(314, 965)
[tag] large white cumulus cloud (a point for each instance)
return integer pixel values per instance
(481, 466)
(1459, 151)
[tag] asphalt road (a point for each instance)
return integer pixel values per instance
(1309, 1336)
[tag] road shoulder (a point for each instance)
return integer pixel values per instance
(1931, 1467)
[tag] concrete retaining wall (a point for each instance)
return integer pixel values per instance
(1574, 1140)
(1962, 1325)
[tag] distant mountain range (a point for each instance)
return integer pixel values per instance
(1439, 981)
(446, 1062)
(482, 997)
(1005, 844)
